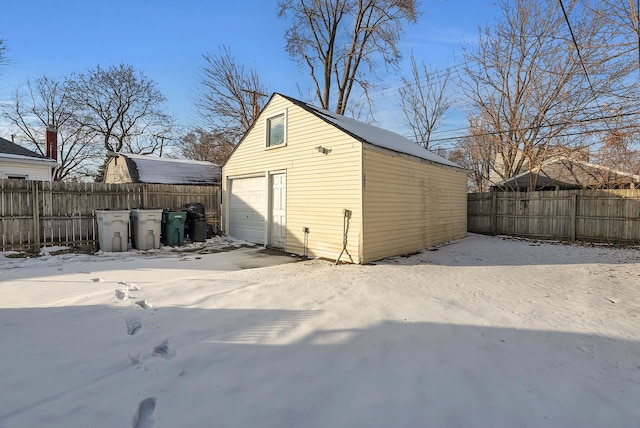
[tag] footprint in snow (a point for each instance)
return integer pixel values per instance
(97, 279)
(122, 294)
(134, 325)
(144, 304)
(131, 286)
(135, 360)
(164, 350)
(144, 414)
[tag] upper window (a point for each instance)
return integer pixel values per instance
(275, 130)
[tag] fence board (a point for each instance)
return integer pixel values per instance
(586, 215)
(64, 213)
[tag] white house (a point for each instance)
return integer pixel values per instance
(19, 163)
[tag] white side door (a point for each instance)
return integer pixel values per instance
(278, 215)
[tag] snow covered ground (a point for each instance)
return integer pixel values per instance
(483, 332)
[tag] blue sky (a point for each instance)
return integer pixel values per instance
(166, 39)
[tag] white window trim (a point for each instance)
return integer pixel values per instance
(266, 130)
(8, 176)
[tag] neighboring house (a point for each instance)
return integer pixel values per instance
(128, 168)
(564, 173)
(316, 183)
(497, 171)
(20, 163)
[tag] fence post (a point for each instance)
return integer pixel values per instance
(144, 196)
(572, 225)
(494, 214)
(36, 216)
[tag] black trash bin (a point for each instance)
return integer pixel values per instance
(197, 222)
(195, 209)
(198, 229)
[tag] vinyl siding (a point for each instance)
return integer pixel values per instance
(117, 171)
(32, 169)
(410, 204)
(319, 186)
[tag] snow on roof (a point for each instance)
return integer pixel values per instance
(374, 135)
(172, 171)
(567, 160)
(27, 158)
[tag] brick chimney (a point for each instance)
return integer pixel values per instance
(51, 143)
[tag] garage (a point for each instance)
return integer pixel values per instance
(328, 186)
(247, 207)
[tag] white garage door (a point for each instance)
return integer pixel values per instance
(247, 208)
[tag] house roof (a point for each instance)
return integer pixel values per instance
(11, 150)
(373, 135)
(567, 172)
(149, 169)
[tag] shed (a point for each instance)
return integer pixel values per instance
(129, 168)
(316, 183)
(21, 163)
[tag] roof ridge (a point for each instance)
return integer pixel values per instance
(396, 142)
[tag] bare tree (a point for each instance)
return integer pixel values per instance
(532, 82)
(620, 150)
(424, 100)
(475, 153)
(157, 137)
(336, 38)
(206, 146)
(624, 22)
(47, 103)
(3, 52)
(118, 103)
(232, 96)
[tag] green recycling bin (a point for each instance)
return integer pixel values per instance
(173, 227)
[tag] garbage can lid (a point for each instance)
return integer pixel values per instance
(195, 207)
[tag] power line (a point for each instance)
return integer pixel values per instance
(538, 127)
(584, 68)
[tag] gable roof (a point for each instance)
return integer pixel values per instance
(370, 134)
(570, 173)
(150, 169)
(11, 150)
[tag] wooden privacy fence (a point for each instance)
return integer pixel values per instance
(611, 216)
(35, 214)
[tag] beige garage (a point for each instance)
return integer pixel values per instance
(312, 182)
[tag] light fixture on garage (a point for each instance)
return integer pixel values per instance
(323, 150)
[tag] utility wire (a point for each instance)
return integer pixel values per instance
(575, 43)
(538, 127)
(440, 135)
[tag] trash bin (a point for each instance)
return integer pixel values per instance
(113, 229)
(195, 209)
(145, 228)
(197, 222)
(173, 227)
(198, 229)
